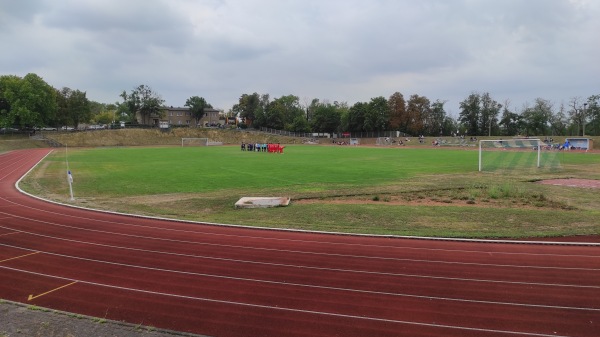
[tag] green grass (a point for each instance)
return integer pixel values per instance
(132, 171)
(399, 191)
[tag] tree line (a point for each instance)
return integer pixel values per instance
(480, 115)
(30, 102)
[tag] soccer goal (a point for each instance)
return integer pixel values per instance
(516, 154)
(383, 141)
(198, 142)
(194, 142)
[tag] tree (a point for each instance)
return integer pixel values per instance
(356, 116)
(300, 124)
(490, 109)
(449, 126)
(79, 107)
(281, 112)
(73, 107)
(62, 110)
(418, 110)
(377, 115)
(32, 101)
(260, 112)
(398, 115)
(325, 118)
(197, 106)
(4, 106)
(510, 123)
(131, 104)
(593, 115)
(576, 114)
(247, 107)
(436, 119)
(470, 113)
(536, 119)
(144, 101)
(558, 122)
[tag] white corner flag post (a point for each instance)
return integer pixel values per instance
(69, 175)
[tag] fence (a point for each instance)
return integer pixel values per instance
(371, 134)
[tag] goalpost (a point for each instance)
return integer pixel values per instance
(198, 142)
(516, 154)
(383, 141)
(194, 142)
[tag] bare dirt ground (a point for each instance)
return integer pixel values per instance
(572, 182)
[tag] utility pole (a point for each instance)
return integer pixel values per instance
(583, 119)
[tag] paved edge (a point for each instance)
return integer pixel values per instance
(135, 328)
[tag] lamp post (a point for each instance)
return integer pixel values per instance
(583, 119)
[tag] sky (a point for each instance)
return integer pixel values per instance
(333, 50)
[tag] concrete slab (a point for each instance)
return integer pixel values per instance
(262, 202)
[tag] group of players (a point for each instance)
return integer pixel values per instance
(266, 147)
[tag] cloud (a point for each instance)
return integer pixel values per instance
(350, 50)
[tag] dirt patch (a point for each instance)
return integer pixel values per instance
(572, 182)
(437, 202)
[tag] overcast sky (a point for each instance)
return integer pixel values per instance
(334, 50)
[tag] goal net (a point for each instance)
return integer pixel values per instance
(383, 141)
(516, 155)
(194, 142)
(198, 142)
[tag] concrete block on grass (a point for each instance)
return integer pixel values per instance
(262, 202)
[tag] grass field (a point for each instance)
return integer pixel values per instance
(397, 191)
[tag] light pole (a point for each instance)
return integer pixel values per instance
(583, 119)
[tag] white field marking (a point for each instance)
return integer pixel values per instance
(310, 286)
(311, 267)
(279, 308)
(292, 240)
(307, 252)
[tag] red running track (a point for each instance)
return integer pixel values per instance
(230, 281)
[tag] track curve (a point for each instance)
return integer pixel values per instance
(231, 281)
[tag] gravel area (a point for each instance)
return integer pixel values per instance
(18, 319)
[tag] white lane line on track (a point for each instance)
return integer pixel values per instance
(278, 308)
(18, 162)
(310, 286)
(310, 253)
(313, 267)
(294, 240)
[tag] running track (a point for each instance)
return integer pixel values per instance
(229, 281)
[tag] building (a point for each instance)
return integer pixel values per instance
(182, 117)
